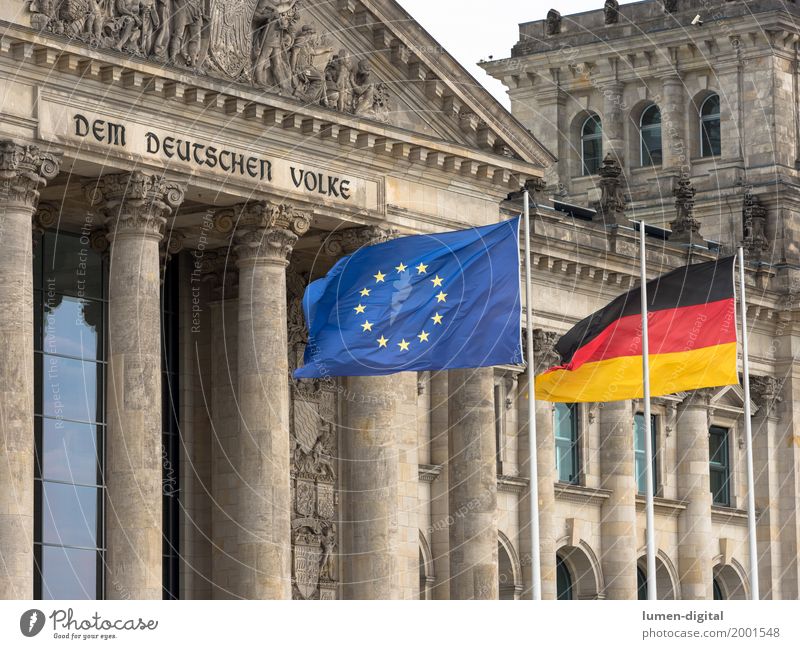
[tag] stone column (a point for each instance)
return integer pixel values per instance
(472, 471)
(440, 541)
(618, 527)
(613, 122)
(23, 171)
(769, 481)
(695, 544)
(265, 235)
(136, 206)
(673, 126)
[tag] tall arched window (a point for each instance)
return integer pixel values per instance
(710, 132)
(591, 145)
(717, 590)
(563, 580)
(641, 584)
(650, 136)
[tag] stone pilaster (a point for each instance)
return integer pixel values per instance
(765, 392)
(473, 485)
(613, 121)
(24, 170)
(695, 546)
(675, 158)
(618, 527)
(265, 236)
(135, 206)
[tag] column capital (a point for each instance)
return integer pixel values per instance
(766, 393)
(24, 170)
(346, 242)
(134, 203)
(698, 398)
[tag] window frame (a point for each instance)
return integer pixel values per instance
(639, 453)
(650, 128)
(575, 442)
(718, 467)
(593, 137)
(704, 119)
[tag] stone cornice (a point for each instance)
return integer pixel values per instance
(513, 484)
(663, 506)
(429, 472)
(721, 514)
(236, 101)
(580, 494)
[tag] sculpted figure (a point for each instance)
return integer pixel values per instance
(308, 80)
(95, 21)
(338, 89)
(161, 41)
(611, 12)
(150, 22)
(327, 563)
(129, 22)
(186, 28)
(272, 45)
(363, 88)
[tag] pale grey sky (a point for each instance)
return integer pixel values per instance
(473, 29)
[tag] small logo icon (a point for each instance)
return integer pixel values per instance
(31, 622)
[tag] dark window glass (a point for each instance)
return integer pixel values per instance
(566, 439)
(639, 451)
(641, 584)
(591, 145)
(719, 465)
(710, 129)
(68, 451)
(650, 131)
(69, 514)
(72, 327)
(71, 267)
(718, 591)
(68, 573)
(563, 580)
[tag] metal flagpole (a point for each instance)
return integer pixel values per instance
(751, 501)
(536, 569)
(648, 442)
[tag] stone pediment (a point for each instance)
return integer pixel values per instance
(362, 58)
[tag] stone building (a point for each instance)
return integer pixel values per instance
(173, 175)
(683, 115)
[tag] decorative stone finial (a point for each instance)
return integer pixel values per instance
(553, 22)
(754, 220)
(611, 207)
(611, 12)
(669, 6)
(685, 228)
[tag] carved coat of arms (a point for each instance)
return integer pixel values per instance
(230, 39)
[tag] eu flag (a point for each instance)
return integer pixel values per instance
(423, 302)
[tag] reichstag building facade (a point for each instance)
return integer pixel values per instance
(173, 173)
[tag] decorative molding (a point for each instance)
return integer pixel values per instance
(581, 495)
(24, 170)
(429, 472)
(731, 515)
(512, 483)
(663, 506)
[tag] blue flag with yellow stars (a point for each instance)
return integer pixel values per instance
(423, 302)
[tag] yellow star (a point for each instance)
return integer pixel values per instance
(437, 319)
(437, 281)
(367, 326)
(382, 342)
(442, 297)
(360, 308)
(379, 277)
(365, 292)
(401, 267)
(422, 269)
(423, 337)
(403, 345)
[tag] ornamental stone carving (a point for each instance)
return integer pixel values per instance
(263, 43)
(134, 203)
(669, 6)
(346, 242)
(754, 220)
(553, 22)
(611, 12)
(266, 231)
(611, 206)
(544, 348)
(766, 393)
(24, 170)
(685, 228)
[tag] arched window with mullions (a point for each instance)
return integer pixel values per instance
(650, 136)
(591, 145)
(710, 131)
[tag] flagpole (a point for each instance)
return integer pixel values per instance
(536, 569)
(648, 442)
(751, 502)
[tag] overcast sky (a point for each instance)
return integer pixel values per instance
(473, 29)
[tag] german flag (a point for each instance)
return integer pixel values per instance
(691, 332)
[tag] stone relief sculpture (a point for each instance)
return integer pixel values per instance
(553, 22)
(611, 12)
(257, 42)
(312, 426)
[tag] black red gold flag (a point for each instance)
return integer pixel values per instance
(692, 340)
